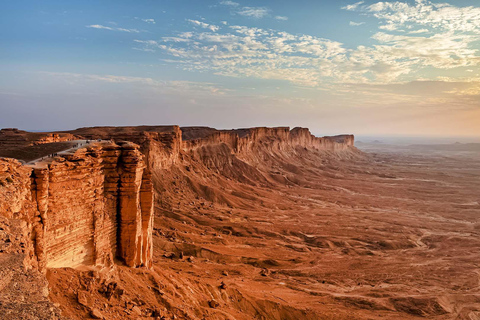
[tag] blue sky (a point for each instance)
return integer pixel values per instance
(368, 67)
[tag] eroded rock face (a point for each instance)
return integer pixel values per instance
(87, 207)
(275, 139)
(83, 208)
(55, 137)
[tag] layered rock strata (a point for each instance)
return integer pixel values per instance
(92, 205)
(163, 145)
(279, 138)
(84, 207)
(55, 137)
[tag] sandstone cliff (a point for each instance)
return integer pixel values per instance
(88, 206)
(85, 207)
(163, 145)
(280, 138)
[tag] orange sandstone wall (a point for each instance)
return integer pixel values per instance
(18, 206)
(163, 145)
(83, 208)
(280, 138)
(54, 137)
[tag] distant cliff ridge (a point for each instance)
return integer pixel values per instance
(163, 144)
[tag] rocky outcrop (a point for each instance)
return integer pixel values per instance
(84, 207)
(161, 145)
(303, 137)
(54, 137)
(135, 208)
(13, 137)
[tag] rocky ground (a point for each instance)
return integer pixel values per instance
(23, 290)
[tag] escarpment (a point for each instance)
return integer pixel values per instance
(94, 204)
(85, 207)
(163, 145)
(90, 205)
(247, 140)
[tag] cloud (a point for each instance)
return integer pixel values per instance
(204, 25)
(241, 51)
(419, 31)
(230, 3)
(253, 12)
(442, 17)
(354, 24)
(149, 21)
(98, 26)
(442, 51)
(398, 53)
(255, 52)
(352, 7)
(143, 49)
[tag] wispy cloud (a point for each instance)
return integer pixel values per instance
(398, 15)
(204, 25)
(254, 12)
(354, 6)
(251, 12)
(354, 24)
(99, 26)
(419, 31)
(230, 3)
(151, 21)
(143, 49)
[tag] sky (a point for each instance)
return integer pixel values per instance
(406, 67)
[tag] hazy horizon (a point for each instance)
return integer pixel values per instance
(362, 138)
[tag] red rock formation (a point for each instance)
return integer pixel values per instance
(162, 145)
(95, 204)
(55, 137)
(85, 207)
(246, 140)
(131, 197)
